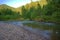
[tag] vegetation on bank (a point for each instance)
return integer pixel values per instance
(8, 14)
(34, 11)
(49, 12)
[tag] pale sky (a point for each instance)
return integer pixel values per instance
(15, 3)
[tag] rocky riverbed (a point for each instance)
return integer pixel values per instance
(12, 32)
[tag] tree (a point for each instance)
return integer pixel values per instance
(24, 12)
(53, 9)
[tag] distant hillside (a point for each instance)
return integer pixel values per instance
(4, 6)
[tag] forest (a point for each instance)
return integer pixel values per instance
(35, 11)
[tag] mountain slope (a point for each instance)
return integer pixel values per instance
(4, 6)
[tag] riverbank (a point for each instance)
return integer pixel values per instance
(15, 32)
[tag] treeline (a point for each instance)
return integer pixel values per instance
(8, 14)
(49, 12)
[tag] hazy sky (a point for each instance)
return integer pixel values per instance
(15, 3)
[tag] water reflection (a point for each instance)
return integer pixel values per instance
(54, 29)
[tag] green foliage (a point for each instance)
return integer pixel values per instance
(32, 13)
(7, 14)
(49, 12)
(54, 8)
(52, 11)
